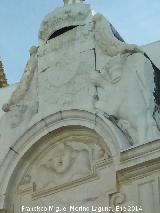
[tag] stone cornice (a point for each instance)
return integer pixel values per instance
(139, 171)
(139, 161)
(140, 154)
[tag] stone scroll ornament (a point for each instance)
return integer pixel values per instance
(117, 199)
(121, 86)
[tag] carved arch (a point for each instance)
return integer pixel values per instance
(112, 136)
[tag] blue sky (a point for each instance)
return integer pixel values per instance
(136, 20)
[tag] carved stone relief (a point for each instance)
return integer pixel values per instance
(121, 84)
(87, 67)
(116, 98)
(67, 162)
(72, 159)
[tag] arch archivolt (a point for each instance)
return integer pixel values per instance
(62, 151)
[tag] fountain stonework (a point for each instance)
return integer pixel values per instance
(81, 131)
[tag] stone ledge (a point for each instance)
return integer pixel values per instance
(139, 171)
(139, 154)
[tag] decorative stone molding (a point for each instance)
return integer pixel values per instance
(138, 171)
(115, 140)
(117, 199)
(143, 150)
(71, 156)
(85, 99)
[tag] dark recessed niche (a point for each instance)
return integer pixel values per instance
(62, 31)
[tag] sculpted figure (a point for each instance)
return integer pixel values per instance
(65, 165)
(125, 86)
(124, 93)
(23, 86)
(72, 1)
(106, 40)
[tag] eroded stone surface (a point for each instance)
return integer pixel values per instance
(66, 132)
(75, 159)
(80, 64)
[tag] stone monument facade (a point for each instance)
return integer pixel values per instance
(80, 132)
